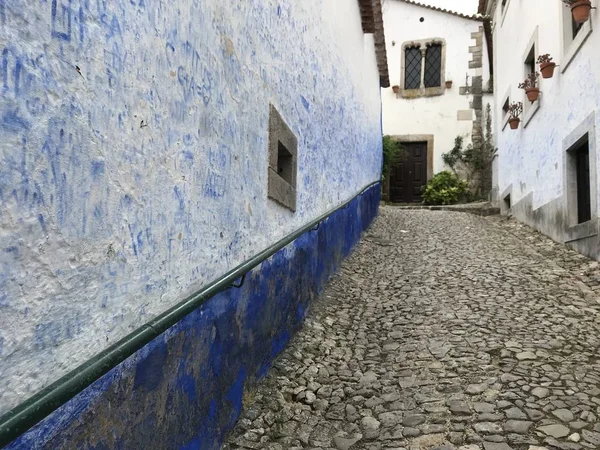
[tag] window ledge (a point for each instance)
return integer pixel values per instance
(422, 92)
(576, 45)
(528, 115)
(281, 191)
(582, 231)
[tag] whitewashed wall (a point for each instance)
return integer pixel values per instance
(430, 115)
(134, 156)
(531, 158)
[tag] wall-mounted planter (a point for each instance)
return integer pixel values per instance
(396, 89)
(514, 123)
(448, 84)
(532, 94)
(581, 11)
(547, 69)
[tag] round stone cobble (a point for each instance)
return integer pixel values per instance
(443, 330)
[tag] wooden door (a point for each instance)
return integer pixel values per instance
(409, 174)
(584, 204)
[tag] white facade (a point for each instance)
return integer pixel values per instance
(535, 162)
(444, 116)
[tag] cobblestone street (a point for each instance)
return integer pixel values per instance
(443, 330)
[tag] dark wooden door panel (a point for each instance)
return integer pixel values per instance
(409, 175)
(584, 210)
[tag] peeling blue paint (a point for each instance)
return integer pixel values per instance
(97, 169)
(305, 103)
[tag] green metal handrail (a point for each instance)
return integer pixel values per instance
(37, 407)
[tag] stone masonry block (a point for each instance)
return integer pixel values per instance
(464, 114)
(281, 191)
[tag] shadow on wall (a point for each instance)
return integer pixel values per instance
(184, 390)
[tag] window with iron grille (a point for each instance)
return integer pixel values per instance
(433, 66)
(413, 68)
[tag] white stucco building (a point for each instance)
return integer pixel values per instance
(439, 62)
(547, 168)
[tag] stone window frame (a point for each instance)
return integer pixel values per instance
(529, 109)
(423, 91)
(281, 190)
(576, 231)
(570, 47)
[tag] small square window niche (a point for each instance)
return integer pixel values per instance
(283, 161)
(507, 203)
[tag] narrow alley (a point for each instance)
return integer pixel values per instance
(443, 330)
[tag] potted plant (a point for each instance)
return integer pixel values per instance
(449, 84)
(530, 86)
(514, 111)
(396, 88)
(546, 65)
(580, 9)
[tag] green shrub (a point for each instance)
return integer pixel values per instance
(392, 152)
(445, 188)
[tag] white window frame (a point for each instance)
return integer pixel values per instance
(529, 109)
(569, 46)
(503, 11)
(504, 116)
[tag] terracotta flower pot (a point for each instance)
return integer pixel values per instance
(532, 94)
(581, 11)
(547, 69)
(396, 89)
(514, 123)
(448, 84)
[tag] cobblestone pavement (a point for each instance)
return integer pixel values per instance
(446, 331)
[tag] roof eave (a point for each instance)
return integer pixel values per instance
(478, 17)
(372, 22)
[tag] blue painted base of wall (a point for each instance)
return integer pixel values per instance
(184, 389)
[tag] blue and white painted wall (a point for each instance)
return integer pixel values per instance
(533, 160)
(134, 157)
